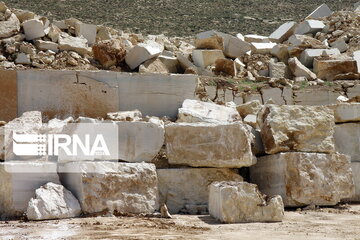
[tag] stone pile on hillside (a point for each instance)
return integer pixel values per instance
(324, 46)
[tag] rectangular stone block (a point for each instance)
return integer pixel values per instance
(226, 145)
(262, 48)
(329, 69)
(283, 32)
(322, 11)
(112, 186)
(305, 178)
(355, 166)
(203, 58)
(322, 96)
(347, 140)
(241, 202)
(308, 55)
(309, 26)
(297, 128)
(184, 190)
(346, 112)
(9, 95)
(18, 182)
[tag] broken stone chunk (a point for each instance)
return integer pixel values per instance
(256, 38)
(197, 111)
(171, 63)
(76, 44)
(297, 128)
(209, 42)
(52, 201)
(9, 27)
(88, 31)
(305, 178)
(226, 66)
(109, 52)
(209, 145)
(262, 48)
(33, 28)
(47, 45)
(281, 52)
(114, 182)
(309, 26)
(153, 65)
(283, 32)
(340, 44)
(242, 202)
(135, 115)
(299, 70)
(142, 52)
(251, 107)
(23, 58)
(204, 58)
(307, 57)
(180, 188)
(329, 69)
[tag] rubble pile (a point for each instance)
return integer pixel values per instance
(208, 158)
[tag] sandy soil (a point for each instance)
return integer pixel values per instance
(325, 223)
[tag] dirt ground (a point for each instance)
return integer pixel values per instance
(324, 223)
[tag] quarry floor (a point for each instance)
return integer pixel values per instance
(324, 223)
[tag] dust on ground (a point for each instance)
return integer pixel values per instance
(324, 223)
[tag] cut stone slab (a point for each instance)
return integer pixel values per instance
(53, 201)
(276, 94)
(322, 11)
(328, 69)
(180, 188)
(226, 66)
(226, 145)
(9, 27)
(251, 38)
(19, 182)
(355, 166)
(88, 31)
(142, 52)
(140, 141)
(297, 128)
(346, 112)
(109, 52)
(309, 26)
(347, 137)
(322, 97)
(299, 70)
(283, 32)
(76, 44)
(47, 45)
(197, 111)
(242, 202)
(262, 48)
(305, 178)
(33, 28)
(204, 58)
(109, 186)
(357, 59)
(308, 55)
(340, 44)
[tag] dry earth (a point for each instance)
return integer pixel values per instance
(181, 17)
(325, 223)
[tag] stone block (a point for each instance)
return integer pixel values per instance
(76, 44)
(355, 166)
(172, 63)
(197, 111)
(308, 55)
(8, 96)
(47, 45)
(283, 32)
(112, 186)
(329, 69)
(252, 107)
(225, 145)
(33, 29)
(340, 44)
(273, 93)
(251, 38)
(279, 70)
(9, 27)
(262, 48)
(297, 128)
(109, 52)
(142, 52)
(209, 41)
(23, 58)
(281, 52)
(241, 202)
(322, 97)
(88, 31)
(299, 70)
(234, 47)
(204, 58)
(347, 142)
(346, 112)
(322, 11)
(310, 27)
(356, 56)
(153, 65)
(180, 188)
(305, 178)
(225, 66)
(19, 180)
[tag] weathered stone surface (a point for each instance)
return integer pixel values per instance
(356, 57)
(52, 201)
(197, 111)
(262, 48)
(242, 202)
(234, 46)
(256, 38)
(209, 42)
(340, 44)
(299, 70)
(251, 107)
(204, 58)
(328, 69)
(347, 140)
(226, 66)
(19, 180)
(305, 178)
(209, 145)
(322, 96)
(281, 52)
(300, 42)
(33, 28)
(180, 188)
(9, 27)
(153, 65)
(346, 112)
(322, 11)
(8, 97)
(88, 31)
(309, 26)
(140, 141)
(279, 70)
(273, 93)
(171, 63)
(283, 32)
(109, 186)
(23, 58)
(23, 15)
(308, 55)
(109, 52)
(76, 44)
(355, 167)
(135, 115)
(142, 52)
(297, 128)
(47, 45)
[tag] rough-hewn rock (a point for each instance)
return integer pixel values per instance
(142, 52)
(203, 58)
(209, 145)
(299, 70)
(198, 111)
(9, 27)
(135, 115)
(210, 42)
(252, 107)
(33, 28)
(297, 128)
(153, 65)
(305, 178)
(241, 202)
(328, 69)
(52, 201)
(182, 189)
(109, 52)
(76, 44)
(308, 55)
(112, 186)
(226, 66)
